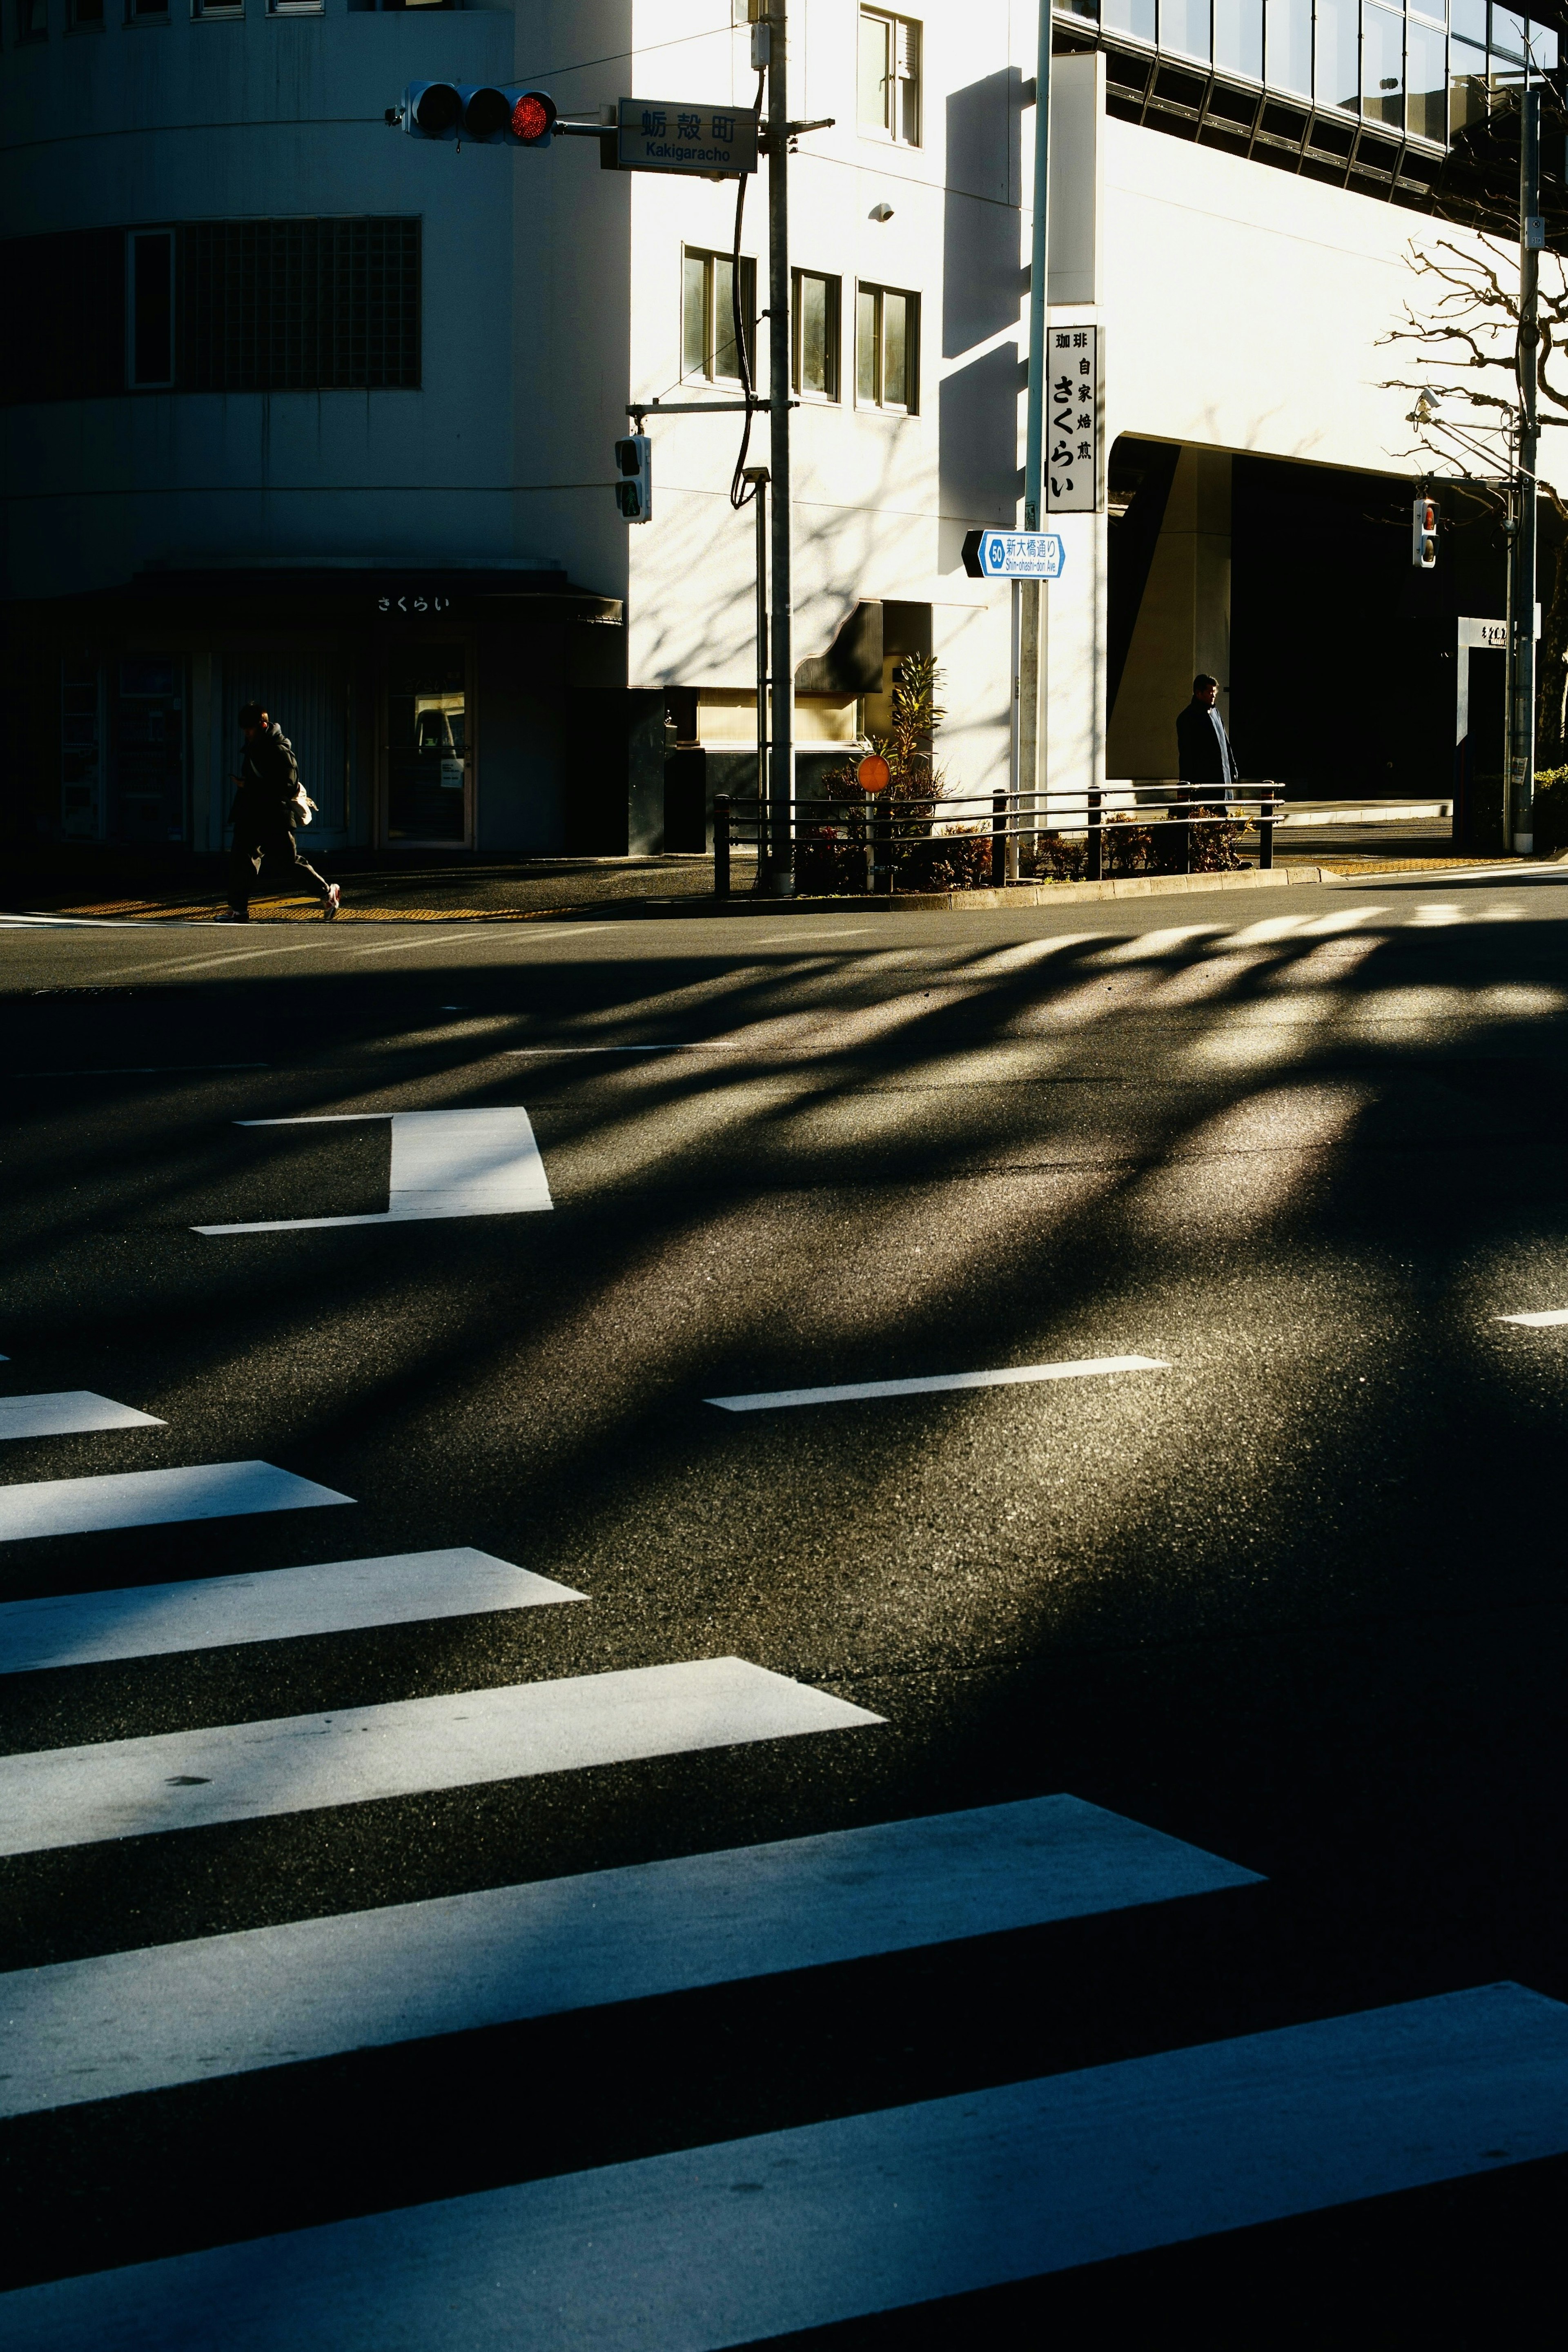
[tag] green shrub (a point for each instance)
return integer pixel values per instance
(1551, 821)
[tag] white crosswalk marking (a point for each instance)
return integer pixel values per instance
(238, 1771)
(143, 1620)
(1085, 1367)
(755, 2238)
(139, 2020)
(445, 1163)
(150, 1499)
(66, 1413)
(1542, 1321)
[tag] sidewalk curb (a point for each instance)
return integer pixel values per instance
(1019, 894)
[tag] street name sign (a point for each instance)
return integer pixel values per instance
(1013, 555)
(677, 135)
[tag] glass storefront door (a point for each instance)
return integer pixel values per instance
(429, 755)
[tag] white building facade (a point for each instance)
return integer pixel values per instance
(312, 411)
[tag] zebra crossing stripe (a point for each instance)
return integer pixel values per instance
(337, 1596)
(1085, 1367)
(148, 1498)
(239, 1772)
(445, 1163)
(139, 2020)
(66, 1413)
(755, 2238)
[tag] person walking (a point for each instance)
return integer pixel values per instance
(265, 807)
(1204, 755)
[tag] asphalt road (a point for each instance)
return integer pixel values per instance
(1291, 1596)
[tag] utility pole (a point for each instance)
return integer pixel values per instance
(1029, 635)
(1519, 819)
(778, 881)
(758, 477)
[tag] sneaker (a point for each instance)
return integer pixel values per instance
(330, 903)
(229, 916)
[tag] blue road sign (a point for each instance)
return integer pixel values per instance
(1013, 555)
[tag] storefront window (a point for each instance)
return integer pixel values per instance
(427, 749)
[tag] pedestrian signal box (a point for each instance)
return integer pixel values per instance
(1424, 534)
(492, 114)
(633, 468)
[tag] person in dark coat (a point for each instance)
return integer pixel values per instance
(265, 809)
(1204, 755)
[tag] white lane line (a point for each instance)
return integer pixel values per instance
(701, 1045)
(426, 939)
(756, 2238)
(445, 1163)
(65, 1412)
(143, 1070)
(139, 2020)
(239, 1772)
(197, 963)
(151, 1498)
(1272, 927)
(146, 1621)
(1539, 1322)
(1086, 1368)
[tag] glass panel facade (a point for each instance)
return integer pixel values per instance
(1134, 16)
(1238, 38)
(1185, 26)
(1288, 50)
(1336, 60)
(1425, 103)
(1383, 66)
(1396, 67)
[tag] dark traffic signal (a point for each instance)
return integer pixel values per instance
(1424, 534)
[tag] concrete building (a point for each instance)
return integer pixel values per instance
(309, 409)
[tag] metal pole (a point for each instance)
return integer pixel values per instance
(1510, 646)
(779, 880)
(758, 477)
(1530, 240)
(1032, 593)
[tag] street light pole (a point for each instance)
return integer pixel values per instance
(1519, 829)
(778, 881)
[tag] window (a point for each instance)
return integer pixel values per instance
(1467, 85)
(1134, 16)
(814, 366)
(708, 316)
(146, 12)
(1238, 38)
(1427, 104)
(87, 16)
(32, 20)
(1337, 67)
(1468, 18)
(1185, 26)
(890, 62)
(1383, 66)
(219, 7)
(1288, 45)
(887, 354)
(149, 310)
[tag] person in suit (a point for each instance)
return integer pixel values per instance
(1203, 754)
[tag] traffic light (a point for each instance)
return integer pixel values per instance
(633, 464)
(1424, 534)
(491, 114)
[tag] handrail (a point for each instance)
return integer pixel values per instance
(1012, 816)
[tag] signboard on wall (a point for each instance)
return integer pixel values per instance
(1074, 459)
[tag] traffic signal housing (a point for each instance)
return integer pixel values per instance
(492, 114)
(1424, 534)
(633, 469)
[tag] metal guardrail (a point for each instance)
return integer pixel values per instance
(886, 830)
